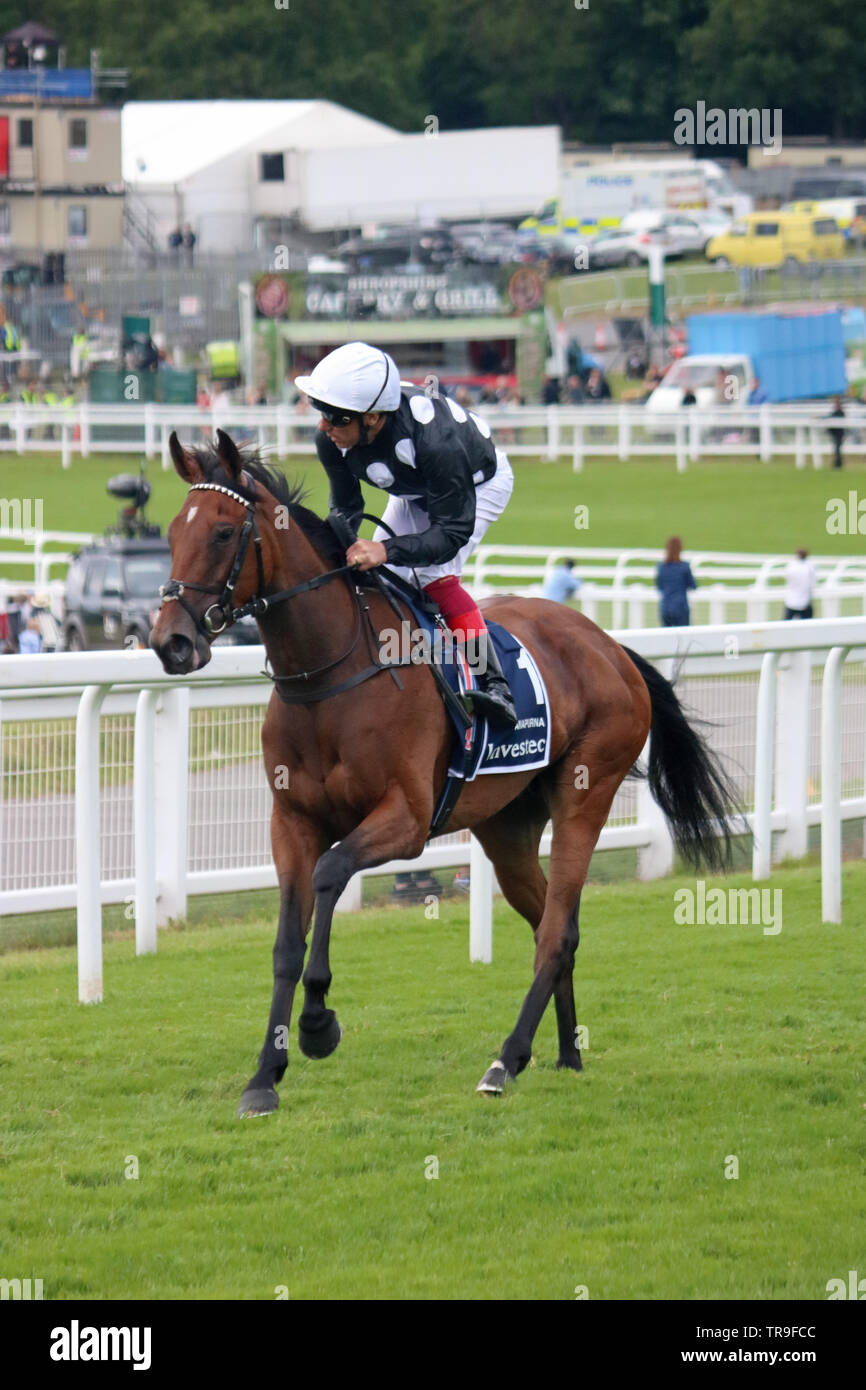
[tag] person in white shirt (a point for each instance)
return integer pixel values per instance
(800, 582)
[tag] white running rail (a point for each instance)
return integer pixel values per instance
(165, 780)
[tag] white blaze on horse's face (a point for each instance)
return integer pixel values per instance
(190, 514)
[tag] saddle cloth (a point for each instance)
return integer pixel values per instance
(479, 749)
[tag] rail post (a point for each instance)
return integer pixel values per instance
(88, 844)
(762, 834)
(480, 904)
(656, 857)
(831, 787)
(792, 751)
(144, 796)
(171, 799)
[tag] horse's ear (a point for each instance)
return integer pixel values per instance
(229, 453)
(186, 465)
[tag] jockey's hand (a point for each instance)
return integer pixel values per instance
(365, 555)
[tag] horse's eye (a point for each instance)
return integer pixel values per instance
(225, 533)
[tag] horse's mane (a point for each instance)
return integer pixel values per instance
(291, 495)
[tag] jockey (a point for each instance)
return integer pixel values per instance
(447, 484)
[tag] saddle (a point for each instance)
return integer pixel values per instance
(477, 748)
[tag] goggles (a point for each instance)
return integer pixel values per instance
(334, 414)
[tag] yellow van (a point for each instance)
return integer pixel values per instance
(778, 238)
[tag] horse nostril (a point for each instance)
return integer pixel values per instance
(178, 649)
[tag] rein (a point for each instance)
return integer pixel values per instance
(259, 604)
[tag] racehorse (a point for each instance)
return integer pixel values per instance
(355, 754)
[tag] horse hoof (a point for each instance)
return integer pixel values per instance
(323, 1041)
(494, 1080)
(569, 1064)
(255, 1103)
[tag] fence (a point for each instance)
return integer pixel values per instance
(620, 431)
(94, 810)
(191, 302)
(618, 587)
(701, 284)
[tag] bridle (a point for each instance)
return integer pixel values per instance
(173, 592)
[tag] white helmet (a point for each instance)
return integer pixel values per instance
(356, 377)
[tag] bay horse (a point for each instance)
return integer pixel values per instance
(356, 758)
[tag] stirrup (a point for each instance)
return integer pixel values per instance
(497, 711)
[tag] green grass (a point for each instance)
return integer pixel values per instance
(704, 1042)
(692, 285)
(718, 504)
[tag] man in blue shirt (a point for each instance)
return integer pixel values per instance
(561, 584)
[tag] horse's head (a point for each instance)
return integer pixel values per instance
(216, 554)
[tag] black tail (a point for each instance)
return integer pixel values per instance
(686, 778)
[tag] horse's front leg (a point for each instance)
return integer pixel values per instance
(296, 847)
(392, 831)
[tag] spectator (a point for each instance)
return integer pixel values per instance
(635, 365)
(574, 390)
(757, 395)
(597, 388)
(673, 580)
(18, 615)
(463, 397)
(561, 583)
(689, 397)
(30, 639)
(509, 402)
(175, 241)
(574, 358)
(46, 622)
(800, 579)
(651, 380)
(188, 240)
(837, 436)
(550, 393)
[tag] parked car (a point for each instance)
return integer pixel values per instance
(682, 232)
(846, 211)
(112, 596)
(112, 593)
(488, 243)
(710, 379)
(621, 246)
(396, 248)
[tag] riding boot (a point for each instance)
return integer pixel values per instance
(492, 699)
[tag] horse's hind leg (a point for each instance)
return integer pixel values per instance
(577, 824)
(510, 840)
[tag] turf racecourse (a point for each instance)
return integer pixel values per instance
(704, 1043)
(718, 504)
